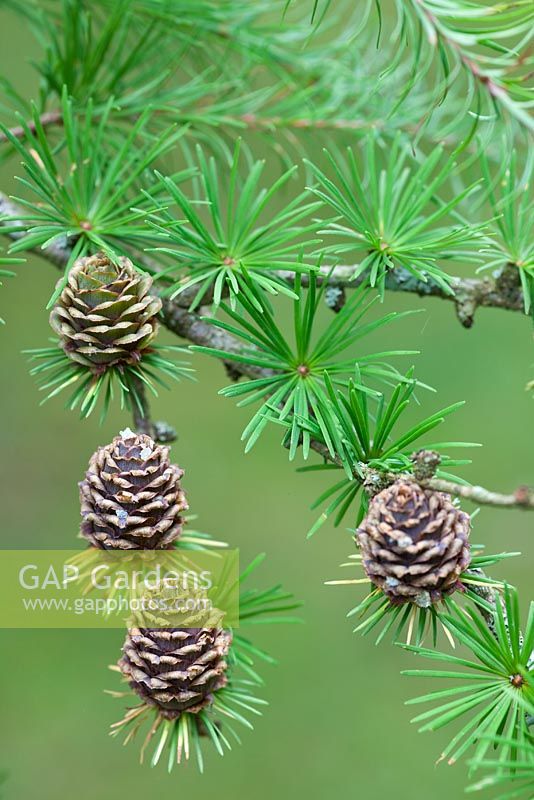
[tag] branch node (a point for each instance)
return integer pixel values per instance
(466, 305)
(335, 298)
(375, 481)
(232, 371)
(524, 495)
(425, 464)
(164, 433)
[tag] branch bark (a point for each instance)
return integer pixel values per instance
(375, 481)
(48, 119)
(57, 253)
(141, 410)
(469, 293)
(143, 423)
(252, 121)
(522, 498)
(484, 77)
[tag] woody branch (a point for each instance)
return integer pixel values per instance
(191, 326)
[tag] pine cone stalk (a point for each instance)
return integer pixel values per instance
(414, 543)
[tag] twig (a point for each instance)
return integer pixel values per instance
(469, 293)
(251, 121)
(497, 91)
(191, 326)
(141, 409)
(522, 498)
(159, 431)
(57, 253)
(256, 122)
(47, 119)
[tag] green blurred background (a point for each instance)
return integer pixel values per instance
(336, 724)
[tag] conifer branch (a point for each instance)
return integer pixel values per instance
(256, 122)
(438, 32)
(57, 253)
(142, 417)
(522, 498)
(490, 43)
(469, 293)
(121, 86)
(47, 120)
(189, 325)
(266, 123)
(141, 410)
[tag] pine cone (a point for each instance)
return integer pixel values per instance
(105, 315)
(176, 669)
(414, 543)
(160, 604)
(131, 497)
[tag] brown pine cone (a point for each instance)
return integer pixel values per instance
(414, 543)
(176, 669)
(131, 497)
(105, 316)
